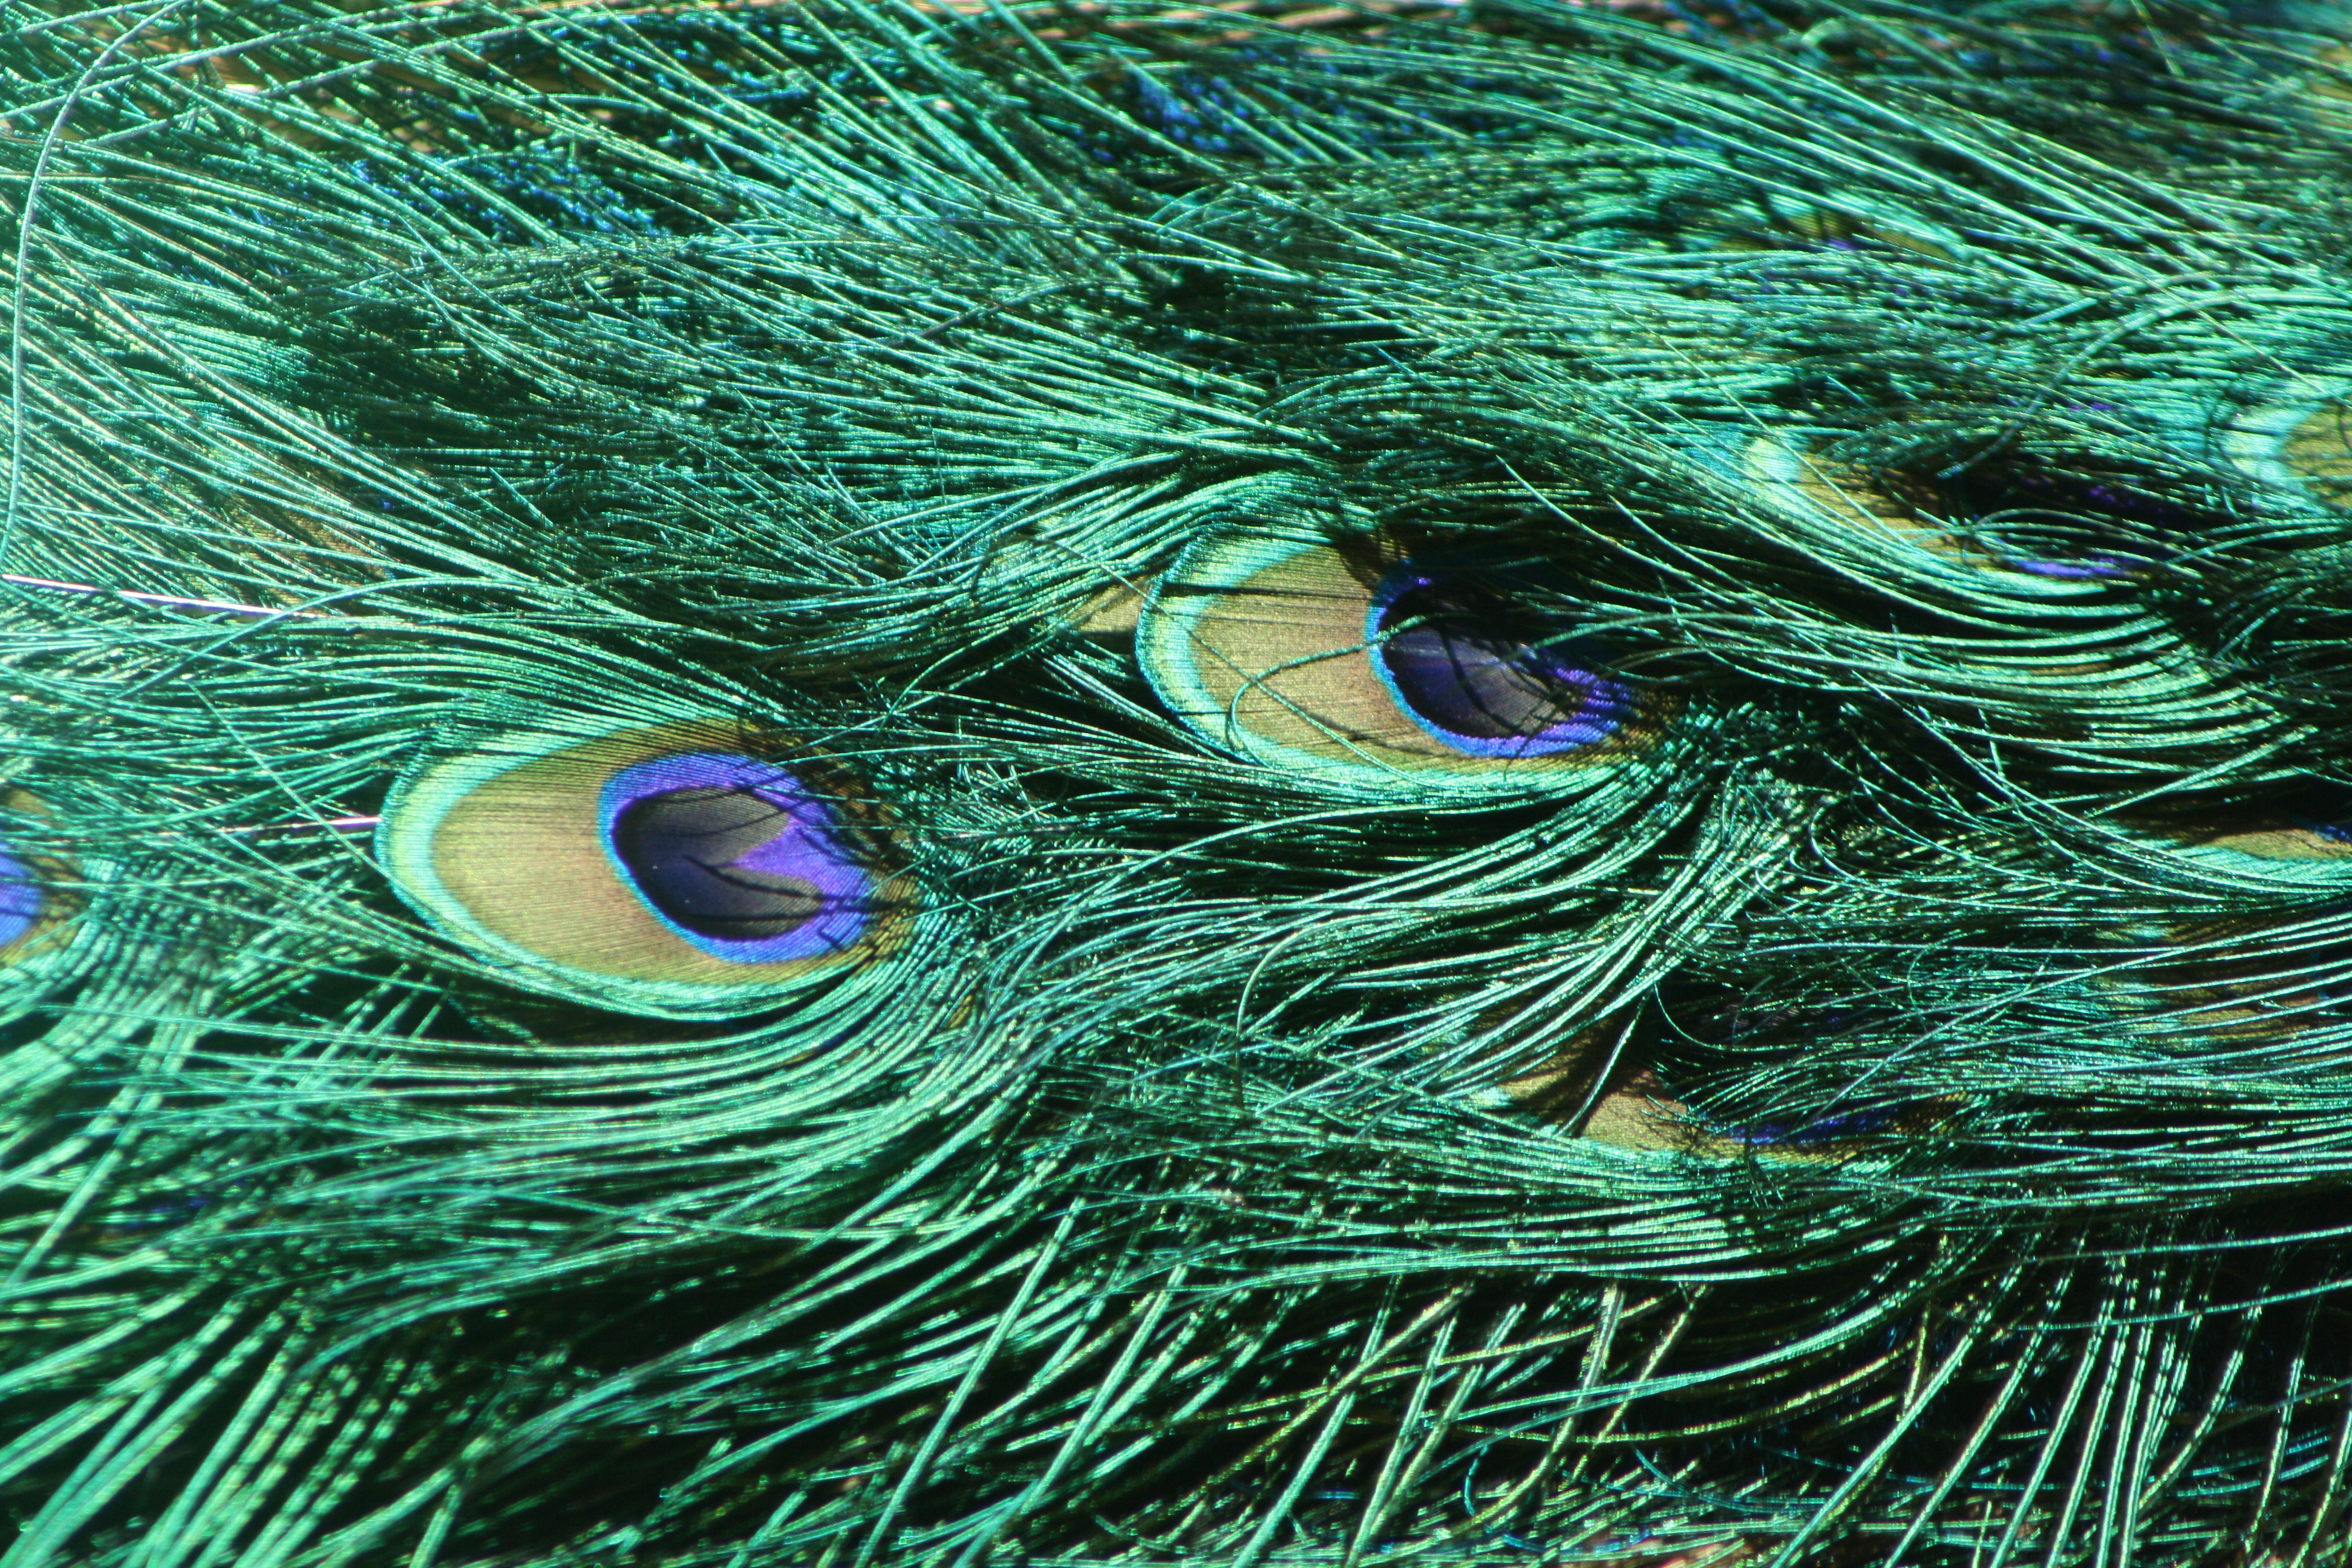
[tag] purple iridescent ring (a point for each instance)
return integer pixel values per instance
(738, 856)
(2089, 568)
(1447, 660)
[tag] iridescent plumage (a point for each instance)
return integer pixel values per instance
(1106, 783)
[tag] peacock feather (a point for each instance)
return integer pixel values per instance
(1469, 780)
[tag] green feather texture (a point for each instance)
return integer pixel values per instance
(1048, 785)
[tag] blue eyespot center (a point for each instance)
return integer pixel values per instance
(1473, 671)
(738, 856)
(21, 900)
(1821, 1129)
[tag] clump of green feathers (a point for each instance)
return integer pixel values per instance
(1083, 782)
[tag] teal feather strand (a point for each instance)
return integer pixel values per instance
(1173, 1201)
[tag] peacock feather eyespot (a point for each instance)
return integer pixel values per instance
(21, 901)
(38, 902)
(2017, 525)
(1859, 512)
(1342, 662)
(736, 856)
(1610, 1086)
(2298, 437)
(682, 868)
(1447, 655)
